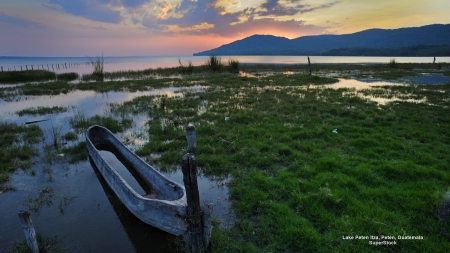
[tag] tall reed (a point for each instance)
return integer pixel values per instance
(214, 63)
(233, 66)
(98, 67)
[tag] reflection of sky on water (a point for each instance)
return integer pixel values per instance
(357, 86)
(90, 102)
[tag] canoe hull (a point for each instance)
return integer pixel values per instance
(167, 211)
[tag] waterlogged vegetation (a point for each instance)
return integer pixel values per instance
(309, 163)
(17, 147)
(42, 110)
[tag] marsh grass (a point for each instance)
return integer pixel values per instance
(393, 64)
(77, 152)
(80, 123)
(214, 63)
(46, 244)
(233, 66)
(42, 110)
(43, 197)
(97, 63)
(55, 134)
(71, 76)
(70, 136)
(26, 76)
(189, 69)
(296, 185)
(17, 148)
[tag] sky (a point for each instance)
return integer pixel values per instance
(184, 27)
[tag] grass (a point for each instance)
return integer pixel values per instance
(393, 63)
(214, 63)
(55, 134)
(296, 186)
(26, 76)
(45, 244)
(67, 76)
(43, 197)
(189, 69)
(81, 124)
(17, 148)
(42, 110)
(97, 63)
(233, 66)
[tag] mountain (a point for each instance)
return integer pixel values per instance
(437, 34)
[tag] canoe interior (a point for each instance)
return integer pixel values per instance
(156, 185)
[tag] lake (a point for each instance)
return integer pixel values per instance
(81, 66)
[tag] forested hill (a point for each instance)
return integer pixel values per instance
(368, 42)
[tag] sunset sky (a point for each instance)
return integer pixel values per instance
(183, 27)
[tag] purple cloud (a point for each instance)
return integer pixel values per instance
(97, 10)
(5, 18)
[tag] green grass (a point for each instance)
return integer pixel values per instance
(296, 186)
(67, 76)
(81, 124)
(42, 110)
(45, 244)
(214, 63)
(97, 63)
(17, 148)
(233, 66)
(26, 76)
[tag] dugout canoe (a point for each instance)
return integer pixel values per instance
(164, 207)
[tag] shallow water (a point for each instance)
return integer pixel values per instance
(82, 210)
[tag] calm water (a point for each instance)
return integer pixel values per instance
(79, 64)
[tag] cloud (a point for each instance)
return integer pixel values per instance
(200, 17)
(286, 8)
(97, 10)
(289, 28)
(5, 18)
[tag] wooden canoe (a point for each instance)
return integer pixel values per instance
(164, 208)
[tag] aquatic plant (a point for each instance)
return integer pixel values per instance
(55, 133)
(233, 66)
(393, 63)
(45, 244)
(41, 110)
(189, 69)
(214, 63)
(67, 76)
(97, 63)
(26, 76)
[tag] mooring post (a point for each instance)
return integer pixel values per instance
(194, 211)
(2, 68)
(28, 230)
(191, 138)
(309, 64)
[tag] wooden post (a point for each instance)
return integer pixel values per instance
(191, 138)
(2, 68)
(194, 211)
(28, 230)
(434, 60)
(309, 64)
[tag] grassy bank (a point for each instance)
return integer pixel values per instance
(297, 186)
